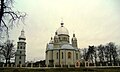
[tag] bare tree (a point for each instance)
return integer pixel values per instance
(8, 50)
(101, 53)
(112, 52)
(9, 17)
(90, 53)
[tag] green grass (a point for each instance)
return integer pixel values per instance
(82, 69)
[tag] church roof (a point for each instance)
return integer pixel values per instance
(67, 46)
(50, 46)
(62, 30)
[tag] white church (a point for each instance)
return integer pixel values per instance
(59, 51)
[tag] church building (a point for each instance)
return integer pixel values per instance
(59, 51)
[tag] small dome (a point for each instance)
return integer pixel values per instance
(51, 41)
(56, 35)
(22, 36)
(62, 30)
(74, 38)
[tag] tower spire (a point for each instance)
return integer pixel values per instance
(62, 22)
(22, 36)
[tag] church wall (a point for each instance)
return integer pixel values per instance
(69, 61)
(56, 60)
(62, 57)
(18, 60)
(46, 60)
(49, 55)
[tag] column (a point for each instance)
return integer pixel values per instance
(112, 64)
(11, 65)
(85, 63)
(7, 65)
(68, 66)
(31, 65)
(118, 64)
(88, 64)
(39, 65)
(20, 65)
(94, 64)
(3, 65)
(54, 65)
(15, 65)
(47, 65)
(26, 65)
(106, 64)
(101, 64)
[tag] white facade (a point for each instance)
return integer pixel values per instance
(59, 51)
(20, 55)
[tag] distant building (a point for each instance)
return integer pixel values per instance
(20, 55)
(59, 51)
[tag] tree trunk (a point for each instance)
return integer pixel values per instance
(1, 11)
(6, 60)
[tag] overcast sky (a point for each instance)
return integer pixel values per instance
(93, 21)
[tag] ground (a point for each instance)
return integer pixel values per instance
(82, 69)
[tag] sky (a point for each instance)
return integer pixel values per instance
(93, 21)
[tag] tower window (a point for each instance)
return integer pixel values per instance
(20, 47)
(57, 55)
(24, 47)
(69, 55)
(62, 55)
(20, 52)
(20, 57)
(19, 62)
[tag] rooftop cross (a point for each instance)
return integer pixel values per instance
(62, 22)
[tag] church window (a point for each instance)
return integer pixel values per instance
(20, 57)
(69, 55)
(62, 55)
(57, 55)
(18, 47)
(76, 56)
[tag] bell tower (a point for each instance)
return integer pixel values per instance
(74, 41)
(20, 55)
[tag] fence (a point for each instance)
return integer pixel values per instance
(38, 65)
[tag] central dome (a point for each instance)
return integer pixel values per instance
(62, 30)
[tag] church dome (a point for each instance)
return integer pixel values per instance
(22, 36)
(62, 30)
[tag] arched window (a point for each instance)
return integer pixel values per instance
(20, 47)
(20, 57)
(69, 55)
(76, 56)
(57, 55)
(62, 55)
